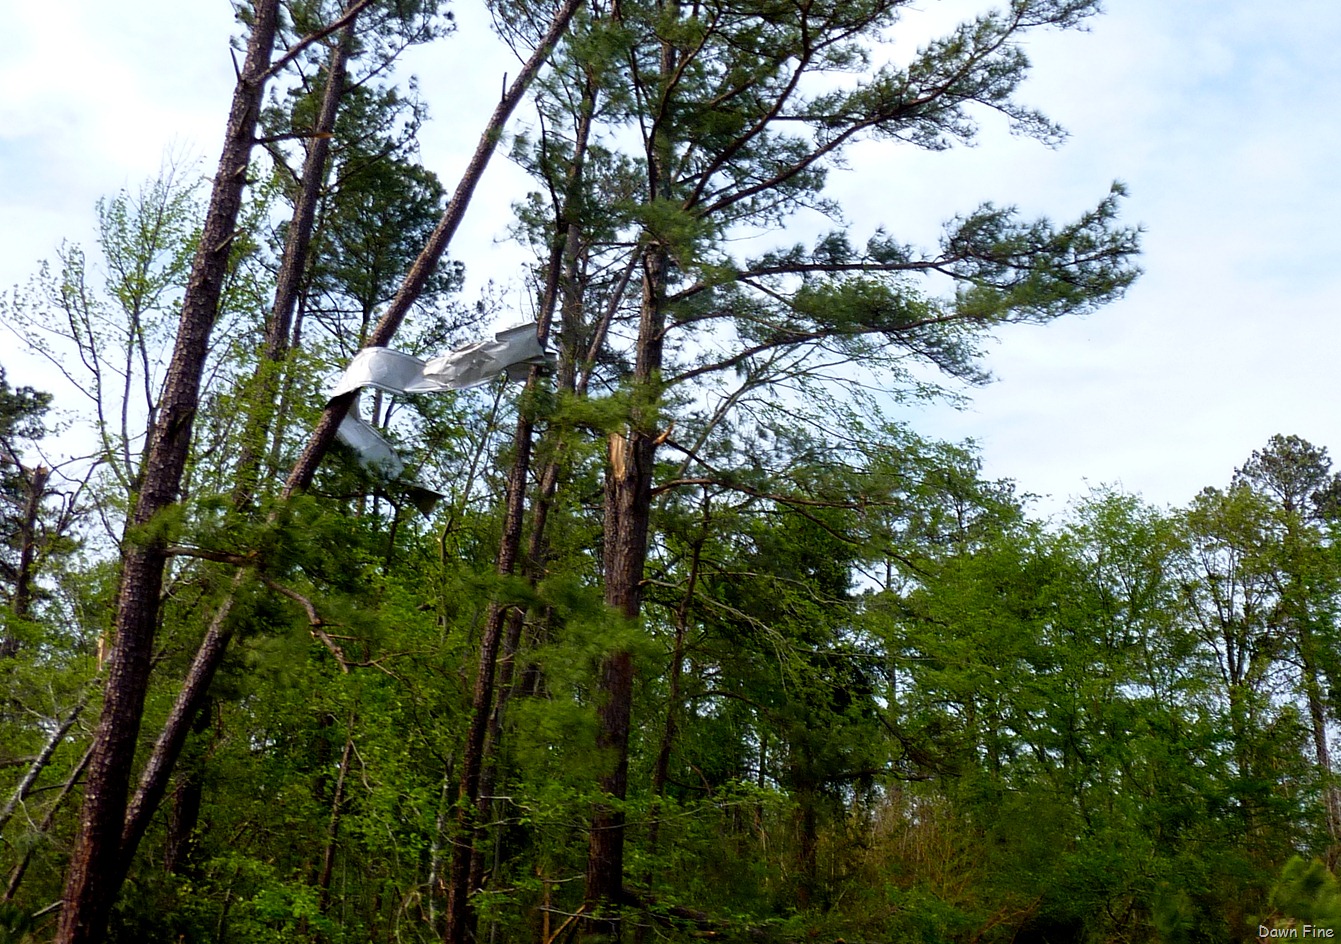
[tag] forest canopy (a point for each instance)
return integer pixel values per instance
(677, 631)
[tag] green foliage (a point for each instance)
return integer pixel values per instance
(16, 925)
(874, 699)
(1307, 893)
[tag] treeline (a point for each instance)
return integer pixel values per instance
(680, 637)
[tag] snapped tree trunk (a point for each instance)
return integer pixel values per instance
(627, 521)
(628, 503)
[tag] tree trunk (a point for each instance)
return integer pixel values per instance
(661, 769)
(211, 652)
(153, 781)
(473, 804)
(625, 554)
(96, 866)
(190, 700)
(319, 443)
(472, 754)
(21, 605)
(1322, 755)
(333, 825)
(37, 479)
(292, 267)
(628, 503)
(435, 847)
(185, 817)
(516, 622)
(182, 823)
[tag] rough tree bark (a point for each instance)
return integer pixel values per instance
(472, 801)
(95, 871)
(293, 265)
(209, 656)
(37, 479)
(628, 506)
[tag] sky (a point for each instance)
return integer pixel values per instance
(1220, 116)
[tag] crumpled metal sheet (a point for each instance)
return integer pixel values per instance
(379, 457)
(375, 453)
(515, 351)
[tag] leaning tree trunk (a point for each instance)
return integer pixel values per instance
(44, 827)
(168, 748)
(194, 692)
(179, 849)
(96, 865)
(292, 266)
(39, 764)
(210, 655)
(427, 262)
(472, 802)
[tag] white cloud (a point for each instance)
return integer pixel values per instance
(1216, 112)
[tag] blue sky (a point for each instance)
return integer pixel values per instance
(1221, 117)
